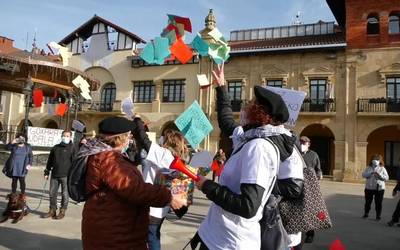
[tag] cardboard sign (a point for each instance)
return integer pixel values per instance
(203, 81)
(202, 159)
(293, 99)
(45, 137)
(127, 107)
(194, 125)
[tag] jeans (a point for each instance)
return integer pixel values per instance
(54, 185)
(155, 235)
(21, 184)
(373, 195)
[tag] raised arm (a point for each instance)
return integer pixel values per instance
(224, 110)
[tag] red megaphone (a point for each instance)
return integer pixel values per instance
(178, 164)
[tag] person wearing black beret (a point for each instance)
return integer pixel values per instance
(116, 214)
(251, 171)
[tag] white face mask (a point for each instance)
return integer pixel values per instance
(243, 118)
(375, 162)
(303, 148)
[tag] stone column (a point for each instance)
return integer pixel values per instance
(156, 104)
(361, 159)
(340, 160)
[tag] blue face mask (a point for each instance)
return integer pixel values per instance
(66, 140)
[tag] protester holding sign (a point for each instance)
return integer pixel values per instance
(247, 179)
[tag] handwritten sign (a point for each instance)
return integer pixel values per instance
(194, 124)
(201, 159)
(293, 99)
(127, 107)
(44, 137)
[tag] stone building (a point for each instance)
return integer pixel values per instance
(349, 70)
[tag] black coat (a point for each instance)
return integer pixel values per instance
(60, 160)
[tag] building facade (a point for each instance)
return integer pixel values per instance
(349, 70)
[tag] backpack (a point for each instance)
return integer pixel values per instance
(76, 181)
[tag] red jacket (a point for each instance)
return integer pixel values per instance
(117, 216)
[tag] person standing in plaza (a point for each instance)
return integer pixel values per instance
(396, 214)
(376, 176)
(18, 163)
(58, 164)
(312, 161)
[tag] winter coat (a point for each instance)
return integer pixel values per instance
(60, 160)
(312, 161)
(116, 215)
(375, 182)
(19, 158)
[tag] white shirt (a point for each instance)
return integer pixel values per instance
(256, 163)
(157, 159)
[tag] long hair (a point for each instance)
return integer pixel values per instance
(175, 141)
(377, 157)
(114, 140)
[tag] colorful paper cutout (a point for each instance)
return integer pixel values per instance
(203, 80)
(156, 51)
(181, 51)
(37, 97)
(200, 45)
(61, 109)
(337, 245)
(127, 107)
(194, 124)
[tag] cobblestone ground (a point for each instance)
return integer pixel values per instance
(345, 202)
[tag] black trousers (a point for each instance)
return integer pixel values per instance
(377, 196)
(196, 241)
(396, 213)
(14, 183)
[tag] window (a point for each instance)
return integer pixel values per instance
(108, 95)
(393, 87)
(274, 83)
(174, 90)
(394, 23)
(235, 94)
(143, 91)
(372, 24)
(318, 91)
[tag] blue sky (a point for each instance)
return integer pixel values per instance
(54, 19)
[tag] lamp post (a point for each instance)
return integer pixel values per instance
(27, 91)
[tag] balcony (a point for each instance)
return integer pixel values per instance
(378, 105)
(319, 105)
(100, 107)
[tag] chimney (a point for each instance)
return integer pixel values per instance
(6, 45)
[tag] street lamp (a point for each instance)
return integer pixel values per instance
(27, 91)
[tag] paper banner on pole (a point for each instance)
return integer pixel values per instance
(293, 99)
(127, 107)
(148, 53)
(194, 124)
(201, 159)
(203, 81)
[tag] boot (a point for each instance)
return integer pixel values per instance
(50, 214)
(61, 214)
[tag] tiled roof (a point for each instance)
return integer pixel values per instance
(289, 43)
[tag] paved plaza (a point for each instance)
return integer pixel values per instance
(345, 203)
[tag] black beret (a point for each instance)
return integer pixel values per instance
(115, 125)
(274, 103)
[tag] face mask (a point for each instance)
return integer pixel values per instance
(303, 148)
(375, 162)
(125, 148)
(243, 118)
(66, 140)
(21, 140)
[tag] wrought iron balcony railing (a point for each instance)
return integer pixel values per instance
(378, 105)
(319, 105)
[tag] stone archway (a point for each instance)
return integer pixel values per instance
(386, 142)
(322, 142)
(51, 124)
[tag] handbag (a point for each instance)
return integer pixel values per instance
(8, 166)
(308, 212)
